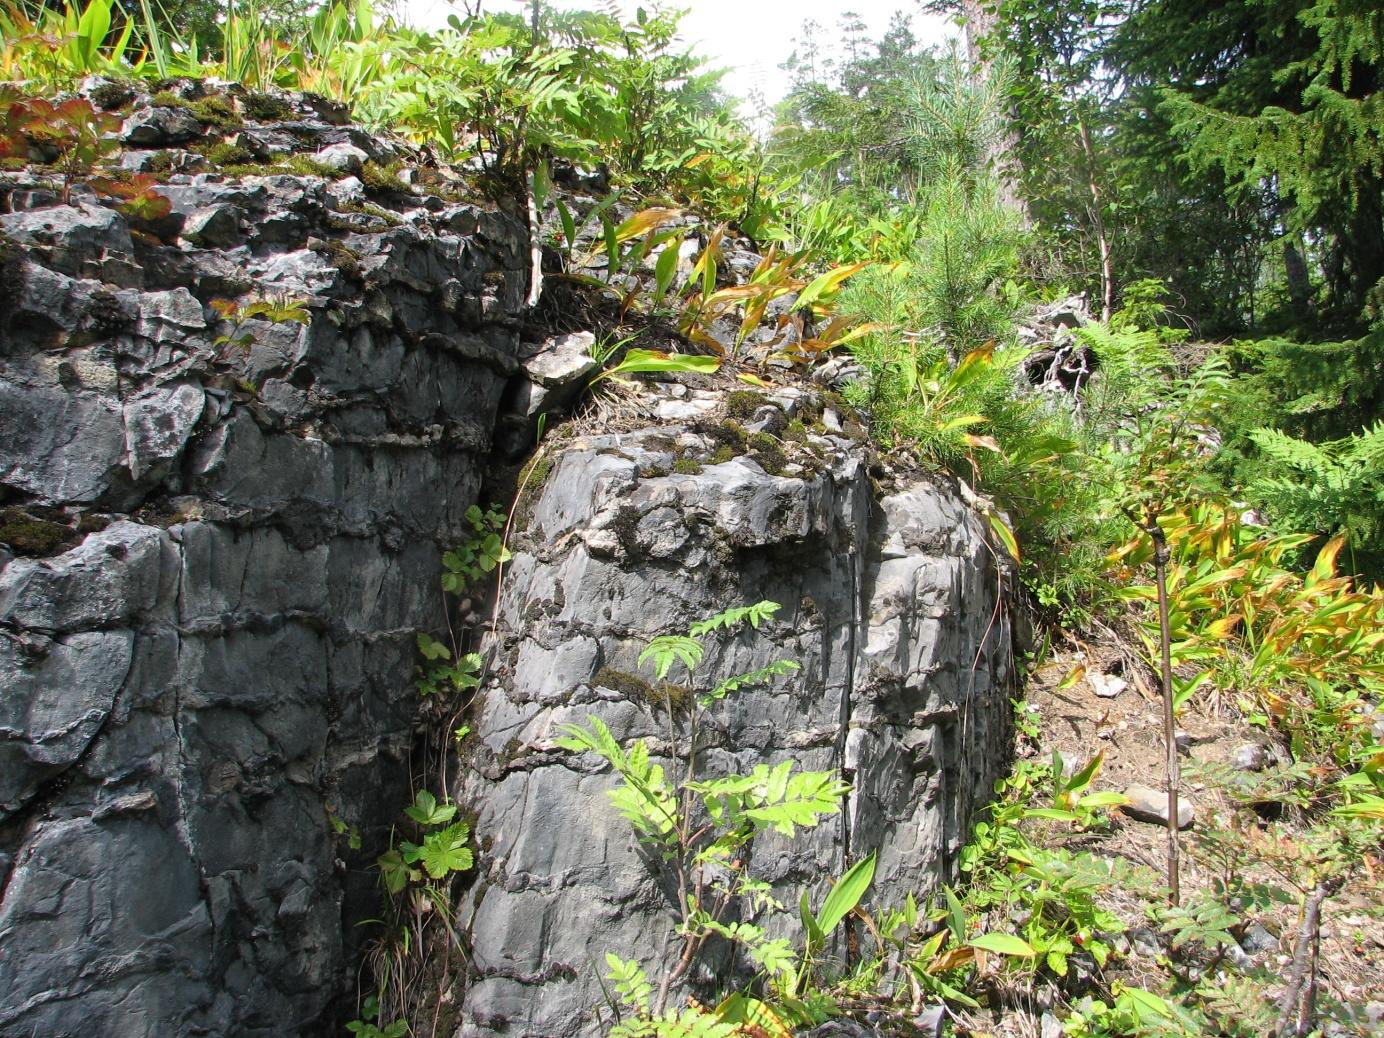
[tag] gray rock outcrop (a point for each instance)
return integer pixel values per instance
(233, 448)
(221, 534)
(892, 605)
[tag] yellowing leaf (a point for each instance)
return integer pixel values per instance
(988, 443)
(827, 282)
(1221, 629)
(659, 361)
(1005, 534)
(1325, 566)
(645, 221)
(952, 958)
(1073, 676)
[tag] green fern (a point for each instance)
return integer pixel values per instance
(667, 649)
(704, 829)
(771, 798)
(754, 615)
(755, 677)
(1131, 360)
(685, 1023)
(631, 982)
(1327, 488)
(643, 798)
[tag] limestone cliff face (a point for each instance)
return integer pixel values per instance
(219, 535)
(215, 558)
(893, 607)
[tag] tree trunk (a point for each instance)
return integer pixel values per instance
(1299, 282)
(1002, 152)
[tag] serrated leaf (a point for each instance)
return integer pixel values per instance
(432, 649)
(445, 852)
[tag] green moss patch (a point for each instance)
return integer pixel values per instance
(226, 154)
(339, 255)
(11, 278)
(33, 533)
(743, 403)
(265, 107)
(769, 453)
(383, 180)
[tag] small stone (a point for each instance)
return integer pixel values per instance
(1251, 756)
(930, 1021)
(1107, 686)
(1240, 958)
(217, 226)
(156, 127)
(465, 221)
(344, 158)
(1048, 1027)
(563, 360)
(1151, 805)
(681, 410)
(345, 192)
(1257, 940)
(1145, 943)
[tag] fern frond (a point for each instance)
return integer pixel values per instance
(684, 1023)
(754, 615)
(1307, 458)
(1125, 354)
(667, 649)
(645, 798)
(1366, 450)
(754, 677)
(631, 982)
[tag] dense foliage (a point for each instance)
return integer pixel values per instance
(1195, 170)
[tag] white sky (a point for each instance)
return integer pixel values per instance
(749, 37)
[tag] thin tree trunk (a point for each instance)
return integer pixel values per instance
(1298, 1007)
(1161, 556)
(1107, 274)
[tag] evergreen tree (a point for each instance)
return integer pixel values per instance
(1282, 98)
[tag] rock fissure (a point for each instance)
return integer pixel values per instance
(843, 720)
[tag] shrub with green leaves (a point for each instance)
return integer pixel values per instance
(442, 848)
